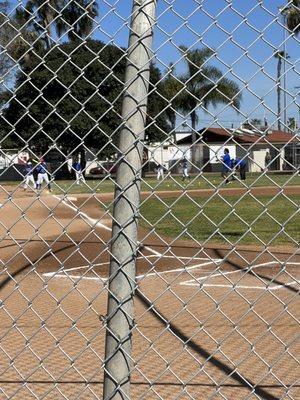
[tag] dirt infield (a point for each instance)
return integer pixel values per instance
(211, 322)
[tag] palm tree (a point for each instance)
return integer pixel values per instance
(39, 16)
(202, 86)
(279, 55)
(168, 89)
(16, 41)
(292, 16)
(73, 17)
(77, 19)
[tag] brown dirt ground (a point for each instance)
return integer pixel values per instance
(230, 321)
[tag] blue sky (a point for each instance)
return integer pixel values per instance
(245, 34)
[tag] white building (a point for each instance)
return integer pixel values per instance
(242, 143)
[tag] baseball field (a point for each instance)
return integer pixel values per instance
(217, 290)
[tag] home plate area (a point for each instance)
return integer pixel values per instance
(198, 272)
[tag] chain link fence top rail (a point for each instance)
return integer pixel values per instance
(149, 199)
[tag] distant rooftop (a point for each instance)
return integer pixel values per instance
(243, 136)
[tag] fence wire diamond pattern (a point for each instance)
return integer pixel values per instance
(149, 199)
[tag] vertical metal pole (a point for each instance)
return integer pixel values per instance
(124, 245)
(284, 74)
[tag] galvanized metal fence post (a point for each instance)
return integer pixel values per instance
(124, 245)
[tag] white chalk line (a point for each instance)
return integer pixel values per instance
(93, 221)
(197, 281)
(233, 286)
(156, 253)
(92, 265)
(220, 274)
(157, 273)
(96, 222)
(186, 283)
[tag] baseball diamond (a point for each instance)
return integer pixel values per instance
(149, 200)
(60, 277)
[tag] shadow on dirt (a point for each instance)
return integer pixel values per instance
(32, 265)
(230, 372)
(255, 274)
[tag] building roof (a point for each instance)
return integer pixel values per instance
(242, 136)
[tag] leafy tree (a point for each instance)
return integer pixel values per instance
(77, 19)
(201, 86)
(73, 99)
(16, 42)
(292, 123)
(73, 17)
(4, 37)
(292, 16)
(169, 89)
(38, 15)
(256, 123)
(160, 120)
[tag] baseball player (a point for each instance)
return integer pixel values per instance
(78, 172)
(241, 165)
(42, 175)
(160, 172)
(226, 167)
(184, 164)
(29, 179)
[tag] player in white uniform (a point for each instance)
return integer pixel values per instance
(29, 179)
(78, 172)
(160, 172)
(42, 175)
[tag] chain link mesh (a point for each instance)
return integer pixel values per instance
(160, 177)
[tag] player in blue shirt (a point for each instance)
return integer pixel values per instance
(78, 172)
(42, 174)
(226, 167)
(241, 165)
(29, 175)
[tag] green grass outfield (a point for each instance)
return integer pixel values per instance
(212, 219)
(227, 219)
(203, 181)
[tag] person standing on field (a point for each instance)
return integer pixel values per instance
(42, 175)
(29, 179)
(78, 172)
(184, 165)
(241, 165)
(226, 167)
(268, 159)
(160, 172)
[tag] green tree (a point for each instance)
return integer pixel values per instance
(202, 86)
(38, 16)
(16, 43)
(77, 19)
(292, 123)
(292, 16)
(256, 123)
(4, 39)
(73, 100)
(168, 90)
(73, 17)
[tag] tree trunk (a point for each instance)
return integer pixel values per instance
(279, 64)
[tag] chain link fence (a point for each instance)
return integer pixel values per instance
(149, 199)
